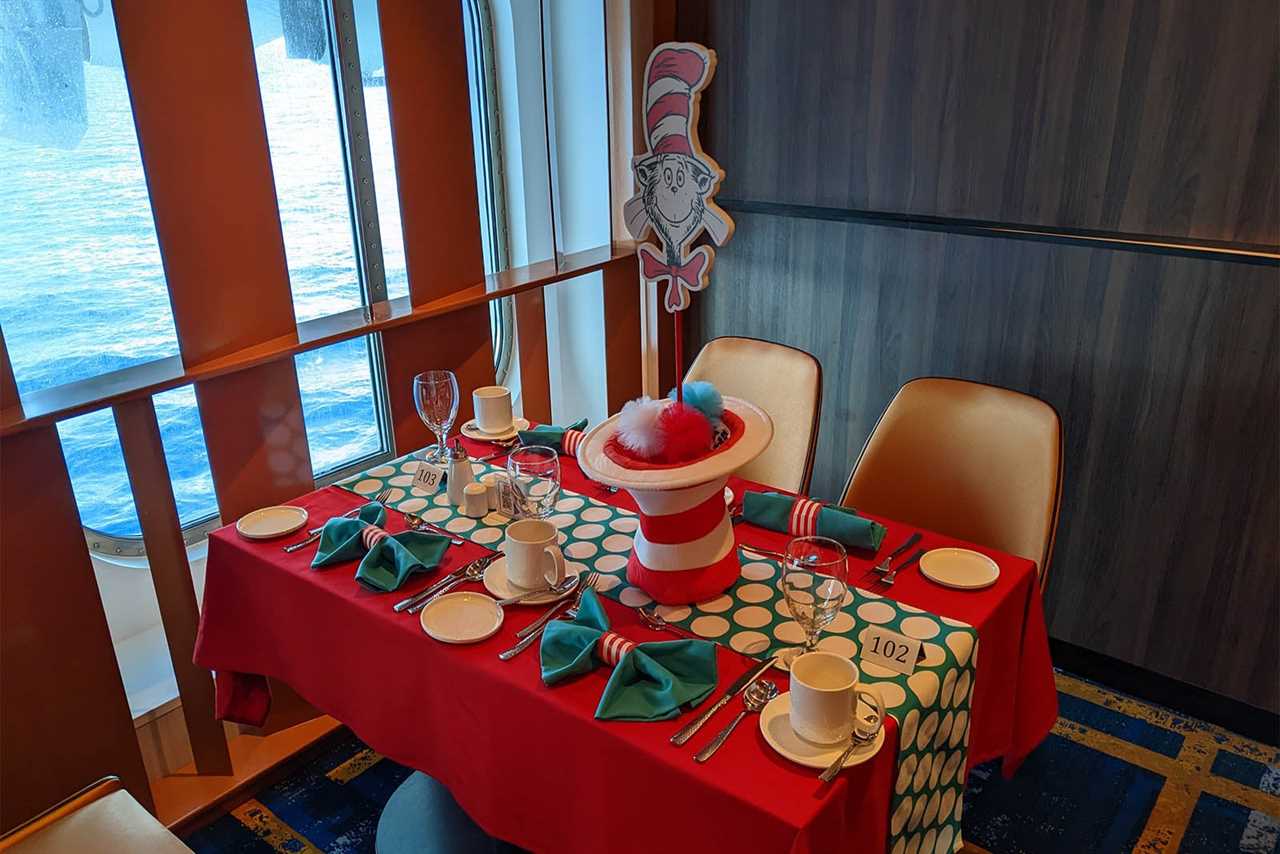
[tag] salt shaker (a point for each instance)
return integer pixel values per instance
(475, 500)
(460, 473)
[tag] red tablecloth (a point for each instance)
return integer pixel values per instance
(530, 764)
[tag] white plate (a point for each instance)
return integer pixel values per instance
(497, 583)
(775, 725)
(961, 569)
(465, 617)
(472, 431)
(271, 522)
(728, 496)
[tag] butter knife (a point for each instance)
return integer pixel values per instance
(440, 584)
(736, 688)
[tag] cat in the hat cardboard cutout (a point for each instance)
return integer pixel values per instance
(677, 179)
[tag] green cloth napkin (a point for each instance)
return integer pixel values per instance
(842, 524)
(551, 435)
(392, 558)
(650, 682)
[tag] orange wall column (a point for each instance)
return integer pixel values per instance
(66, 719)
(194, 87)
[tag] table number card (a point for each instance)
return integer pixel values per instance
(886, 648)
(509, 500)
(428, 478)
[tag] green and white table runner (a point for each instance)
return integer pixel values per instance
(931, 706)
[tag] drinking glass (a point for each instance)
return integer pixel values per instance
(814, 580)
(535, 476)
(435, 394)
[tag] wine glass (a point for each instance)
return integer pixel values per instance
(435, 394)
(535, 475)
(815, 577)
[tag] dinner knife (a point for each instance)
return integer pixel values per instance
(736, 688)
(405, 604)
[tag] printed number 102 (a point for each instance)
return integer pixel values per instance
(890, 649)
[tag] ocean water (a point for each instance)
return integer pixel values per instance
(82, 287)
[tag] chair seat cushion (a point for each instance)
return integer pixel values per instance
(115, 822)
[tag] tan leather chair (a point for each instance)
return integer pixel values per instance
(974, 461)
(783, 381)
(100, 817)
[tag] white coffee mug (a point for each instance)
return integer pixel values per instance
(533, 557)
(824, 698)
(492, 404)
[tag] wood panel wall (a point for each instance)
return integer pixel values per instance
(1123, 118)
(1140, 116)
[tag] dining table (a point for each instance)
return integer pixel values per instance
(532, 764)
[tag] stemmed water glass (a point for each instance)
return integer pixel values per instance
(535, 475)
(435, 394)
(815, 577)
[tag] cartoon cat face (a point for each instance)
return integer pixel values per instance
(677, 183)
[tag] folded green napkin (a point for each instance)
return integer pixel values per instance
(388, 559)
(650, 681)
(801, 517)
(563, 439)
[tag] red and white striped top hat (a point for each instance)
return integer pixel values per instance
(683, 550)
(675, 73)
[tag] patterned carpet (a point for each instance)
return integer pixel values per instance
(1117, 775)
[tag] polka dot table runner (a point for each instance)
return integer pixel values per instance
(931, 706)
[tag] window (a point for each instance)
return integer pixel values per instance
(477, 20)
(540, 125)
(83, 293)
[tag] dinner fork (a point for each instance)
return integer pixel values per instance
(417, 523)
(315, 533)
(659, 623)
(883, 566)
(381, 498)
(541, 622)
(915, 556)
(772, 555)
(546, 616)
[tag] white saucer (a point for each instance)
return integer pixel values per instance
(472, 431)
(496, 582)
(466, 617)
(271, 522)
(960, 569)
(775, 725)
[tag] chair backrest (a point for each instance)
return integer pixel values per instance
(100, 817)
(783, 381)
(969, 460)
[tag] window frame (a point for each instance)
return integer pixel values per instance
(344, 65)
(491, 175)
(346, 75)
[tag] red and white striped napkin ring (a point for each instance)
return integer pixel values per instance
(611, 646)
(371, 535)
(570, 442)
(803, 521)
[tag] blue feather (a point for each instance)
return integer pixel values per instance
(704, 397)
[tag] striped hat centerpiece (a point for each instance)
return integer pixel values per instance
(683, 549)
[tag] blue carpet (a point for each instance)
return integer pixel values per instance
(1116, 775)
